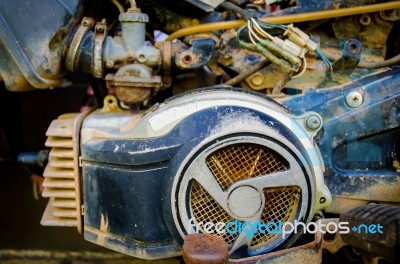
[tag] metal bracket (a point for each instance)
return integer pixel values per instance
(100, 34)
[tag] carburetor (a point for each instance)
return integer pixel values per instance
(92, 49)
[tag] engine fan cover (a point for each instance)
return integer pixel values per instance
(214, 155)
(253, 165)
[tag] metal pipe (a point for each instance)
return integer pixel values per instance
(246, 73)
(287, 19)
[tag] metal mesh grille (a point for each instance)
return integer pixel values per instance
(240, 162)
(243, 161)
(280, 204)
(206, 209)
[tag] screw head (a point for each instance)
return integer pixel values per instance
(354, 99)
(313, 122)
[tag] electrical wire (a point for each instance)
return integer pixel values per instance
(326, 61)
(287, 19)
(118, 5)
(260, 31)
(133, 3)
(263, 42)
(251, 33)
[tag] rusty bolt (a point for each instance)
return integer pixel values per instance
(313, 122)
(354, 99)
(167, 81)
(109, 63)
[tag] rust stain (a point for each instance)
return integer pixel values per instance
(104, 228)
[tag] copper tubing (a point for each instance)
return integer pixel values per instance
(286, 19)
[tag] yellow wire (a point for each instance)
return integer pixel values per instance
(118, 5)
(252, 33)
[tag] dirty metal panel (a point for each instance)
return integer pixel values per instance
(33, 52)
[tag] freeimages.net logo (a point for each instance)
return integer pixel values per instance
(285, 229)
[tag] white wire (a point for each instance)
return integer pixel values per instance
(251, 33)
(260, 30)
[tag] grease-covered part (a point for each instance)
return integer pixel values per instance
(31, 56)
(205, 249)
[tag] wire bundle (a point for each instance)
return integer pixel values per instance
(269, 45)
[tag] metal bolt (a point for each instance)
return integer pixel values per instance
(100, 29)
(354, 99)
(166, 81)
(313, 122)
(257, 79)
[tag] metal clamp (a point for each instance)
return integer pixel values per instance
(100, 33)
(86, 24)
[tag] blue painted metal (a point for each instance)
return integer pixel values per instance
(358, 145)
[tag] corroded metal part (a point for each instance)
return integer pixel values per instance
(308, 253)
(134, 83)
(204, 249)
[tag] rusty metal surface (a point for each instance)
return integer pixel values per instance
(204, 249)
(134, 83)
(132, 95)
(308, 253)
(331, 242)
